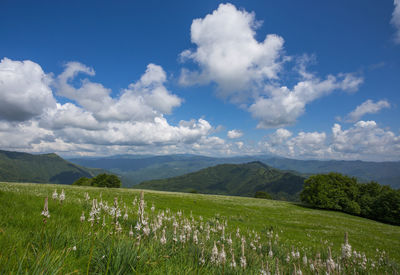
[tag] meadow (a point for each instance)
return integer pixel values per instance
(90, 230)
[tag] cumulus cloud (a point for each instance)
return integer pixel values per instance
(24, 90)
(248, 72)
(283, 106)
(228, 53)
(364, 140)
(367, 107)
(232, 134)
(93, 120)
(396, 20)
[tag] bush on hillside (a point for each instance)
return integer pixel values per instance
(262, 195)
(338, 192)
(102, 180)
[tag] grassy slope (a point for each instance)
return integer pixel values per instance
(21, 205)
(233, 179)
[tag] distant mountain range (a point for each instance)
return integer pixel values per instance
(46, 168)
(134, 169)
(234, 179)
(137, 168)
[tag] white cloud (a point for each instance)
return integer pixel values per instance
(142, 101)
(249, 73)
(364, 140)
(367, 107)
(283, 106)
(24, 90)
(396, 20)
(228, 53)
(235, 134)
(93, 121)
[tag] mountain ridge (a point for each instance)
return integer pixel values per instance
(233, 179)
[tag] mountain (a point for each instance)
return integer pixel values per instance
(134, 169)
(46, 168)
(386, 173)
(233, 179)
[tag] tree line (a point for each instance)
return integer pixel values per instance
(101, 180)
(339, 192)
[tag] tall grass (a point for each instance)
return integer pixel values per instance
(272, 237)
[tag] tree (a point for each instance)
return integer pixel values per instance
(331, 191)
(102, 180)
(338, 192)
(105, 180)
(262, 195)
(83, 182)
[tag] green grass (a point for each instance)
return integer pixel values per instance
(28, 245)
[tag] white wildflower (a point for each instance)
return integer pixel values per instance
(55, 195)
(214, 254)
(45, 211)
(83, 216)
(62, 195)
(131, 232)
(163, 239)
(222, 255)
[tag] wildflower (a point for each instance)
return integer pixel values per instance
(243, 262)
(104, 221)
(270, 253)
(152, 208)
(214, 254)
(229, 240)
(45, 211)
(305, 259)
(330, 263)
(277, 267)
(125, 216)
(163, 239)
(202, 260)
(237, 233)
(55, 195)
(74, 248)
(195, 239)
(131, 232)
(222, 255)
(138, 226)
(118, 227)
(233, 262)
(83, 216)
(87, 197)
(346, 247)
(146, 230)
(62, 196)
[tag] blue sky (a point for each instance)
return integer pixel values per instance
(300, 79)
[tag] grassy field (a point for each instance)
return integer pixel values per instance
(182, 234)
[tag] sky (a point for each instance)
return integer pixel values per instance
(298, 79)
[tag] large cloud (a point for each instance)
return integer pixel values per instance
(92, 120)
(364, 140)
(367, 107)
(24, 90)
(248, 72)
(396, 20)
(228, 53)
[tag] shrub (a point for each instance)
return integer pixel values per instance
(262, 195)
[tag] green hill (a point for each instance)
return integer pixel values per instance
(46, 168)
(233, 179)
(65, 244)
